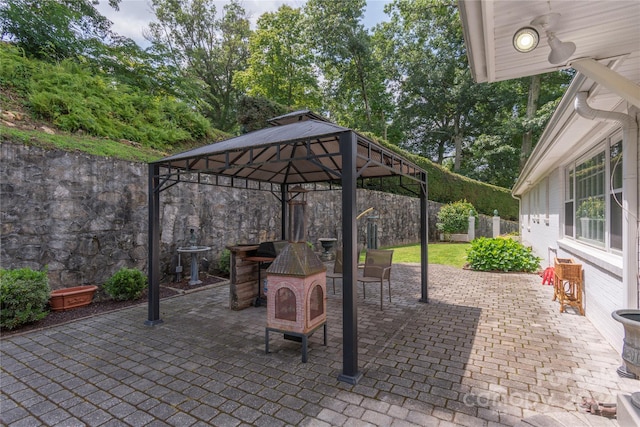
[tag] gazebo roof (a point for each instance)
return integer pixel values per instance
(300, 148)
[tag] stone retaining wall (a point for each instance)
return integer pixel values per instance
(84, 217)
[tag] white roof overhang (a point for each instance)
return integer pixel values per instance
(600, 30)
(607, 58)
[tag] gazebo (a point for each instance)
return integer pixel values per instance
(304, 149)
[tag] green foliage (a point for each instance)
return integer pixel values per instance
(24, 294)
(591, 207)
(280, 65)
(15, 69)
(437, 98)
(89, 145)
(253, 112)
(224, 263)
(454, 217)
(126, 284)
(53, 29)
(74, 98)
(204, 42)
(447, 187)
(354, 81)
(497, 156)
(501, 254)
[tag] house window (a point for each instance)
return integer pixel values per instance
(529, 211)
(590, 200)
(537, 204)
(568, 203)
(615, 195)
(546, 201)
(593, 194)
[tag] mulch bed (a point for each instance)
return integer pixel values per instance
(102, 304)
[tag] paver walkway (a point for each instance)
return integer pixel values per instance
(488, 350)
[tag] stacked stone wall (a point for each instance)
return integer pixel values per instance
(84, 217)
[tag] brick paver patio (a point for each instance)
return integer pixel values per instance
(488, 350)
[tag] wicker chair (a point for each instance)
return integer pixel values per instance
(337, 269)
(567, 283)
(377, 269)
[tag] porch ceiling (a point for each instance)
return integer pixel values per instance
(600, 29)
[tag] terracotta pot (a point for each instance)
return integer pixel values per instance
(67, 298)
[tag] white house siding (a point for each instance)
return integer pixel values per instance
(603, 288)
(538, 230)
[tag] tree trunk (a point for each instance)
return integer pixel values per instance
(457, 141)
(532, 107)
(441, 147)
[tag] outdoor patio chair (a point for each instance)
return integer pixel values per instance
(377, 269)
(337, 269)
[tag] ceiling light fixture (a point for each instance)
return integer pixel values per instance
(560, 51)
(526, 39)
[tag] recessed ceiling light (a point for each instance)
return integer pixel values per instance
(526, 39)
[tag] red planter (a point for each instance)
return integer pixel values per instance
(67, 298)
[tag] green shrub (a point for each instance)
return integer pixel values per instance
(454, 217)
(447, 187)
(501, 254)
(24, 294)
(126, 284)
(224, 263)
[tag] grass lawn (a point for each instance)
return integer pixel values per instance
(454, 254)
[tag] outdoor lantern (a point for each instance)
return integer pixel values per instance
(297, 222)
(526, 39)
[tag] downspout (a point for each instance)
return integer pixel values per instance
(630, 276)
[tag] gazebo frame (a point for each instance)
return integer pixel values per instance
(300, 148)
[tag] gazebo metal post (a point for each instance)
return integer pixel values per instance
(424, 238)
(154, 246)
(350, 373)
(283, 211)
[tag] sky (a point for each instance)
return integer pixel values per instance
(134, 15)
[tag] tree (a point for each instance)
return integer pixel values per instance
(53, 29)
(436, 96)
(203, 46)
(253, 112)
(280, 65)
(532, 106)
(354, 84)
(498, 154)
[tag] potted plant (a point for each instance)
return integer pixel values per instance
(591, 214)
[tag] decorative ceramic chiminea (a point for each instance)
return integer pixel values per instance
(296, 303)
